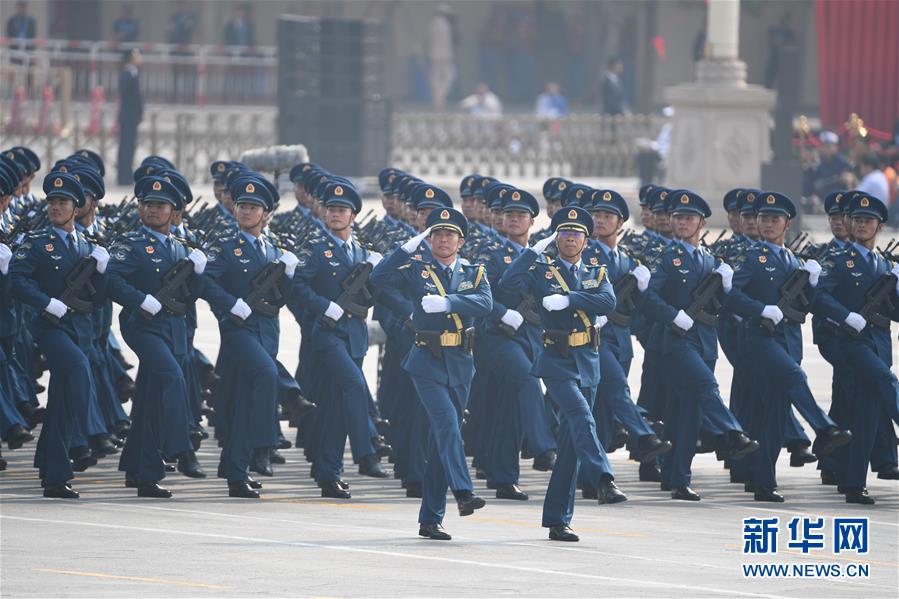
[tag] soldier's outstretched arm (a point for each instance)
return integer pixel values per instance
(24, 287)
(387, 273)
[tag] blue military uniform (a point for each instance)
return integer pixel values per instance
(338, 350)
(160, 411)
(846, 278)
(759, 275)
(38, 274)
(509, 354)
(440, 363)
(246, 405)
(569, 362)
(687, 358)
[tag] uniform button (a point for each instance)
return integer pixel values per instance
(683, 280)
(245, 270)
(57, 268)
(349, 315)
(157, 270)
(333, 274)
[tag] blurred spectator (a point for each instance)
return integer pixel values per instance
(239, 29)
(613, 99)
(131, 112)
(832, 170)
(441, 53)
(652, 155)
(577, 62)
(779, 37)
(21, 27)
(126, 29)
(551, 104)
(483, 103)
(182, 25)
(873, 180)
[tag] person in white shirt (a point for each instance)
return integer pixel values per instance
(483, 103)
(873, 180)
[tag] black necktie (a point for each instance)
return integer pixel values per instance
(73, 246)
(785, 257)
(260, 245)
(872, 262)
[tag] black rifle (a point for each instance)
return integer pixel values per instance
(878, 305)
(624, 296)
(78, 281)
(705, 297)
(174, 286)
(355, 283)
(265, 281)
(526, 309)
(792, 289)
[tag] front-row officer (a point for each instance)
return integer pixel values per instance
(447, 295)
(160, 412)
(847, 277)
(64, 335)
(572, 296)
(246, 406)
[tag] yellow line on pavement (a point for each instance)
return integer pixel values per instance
(351, 506)
(180, 583)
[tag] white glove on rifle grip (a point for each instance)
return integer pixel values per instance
(773, 313)
(151, 305)
(642, 274)
(102, 257)
(513, 319)
(56, 308)
(199, 260)
(241, 309)
(683, 320)
(856, 321)
(334, 312)
(290, 261)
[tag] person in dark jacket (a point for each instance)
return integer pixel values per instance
(131, 111)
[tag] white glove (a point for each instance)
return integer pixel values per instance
(513, 319)
(334, 312)
(895, 273)
(814, 271)
(643, 275)
(199, 260)
(556, 301)
(856, 321)
(101, 256)
(541, 245)
(290, 261)
(411, 245)
(683, 320)
(602, 321)
(241, 309)
(374, 258)
(727, 276)
(151, 305)
(56, 308)
(434, 304)
(5, 257)
(773, 314)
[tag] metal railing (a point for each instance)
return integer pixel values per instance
(192, 140)
(519, 145)
(171, 73)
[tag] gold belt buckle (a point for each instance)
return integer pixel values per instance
(579, 339)
(448, 339)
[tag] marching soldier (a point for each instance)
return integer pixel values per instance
(157, 332)
(759, 276)
(339, 340)
(246, 406)
(847, 278)
(63, 333)
(688, 347)
(571, 295)
(446, 295)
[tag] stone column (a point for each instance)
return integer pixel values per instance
(720, 134)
